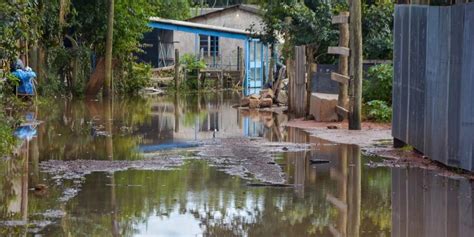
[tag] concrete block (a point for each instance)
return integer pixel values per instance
(323, 107)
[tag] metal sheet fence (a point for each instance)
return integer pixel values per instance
(433, 85)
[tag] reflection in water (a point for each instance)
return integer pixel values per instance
(341, 198)
(425, 204)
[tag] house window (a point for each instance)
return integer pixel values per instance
(209, 45)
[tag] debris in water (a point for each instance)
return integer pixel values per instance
(318, 161)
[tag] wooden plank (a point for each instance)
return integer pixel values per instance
(340, 19)
(342, 111)
(341, 205)
(344, 51)
(340, 78)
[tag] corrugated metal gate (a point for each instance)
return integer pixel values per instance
(433, 88)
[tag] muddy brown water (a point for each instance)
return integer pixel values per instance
(193, 196)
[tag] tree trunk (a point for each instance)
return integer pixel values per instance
(108, 50)
(356, 64)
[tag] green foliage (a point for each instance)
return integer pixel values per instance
(16, 19)
(311, 25)
(377, 30)
(70, 32)
(137, 77)
(378, 83)
(191, 62)
(300, 24)
(378, 111)
(7, 140)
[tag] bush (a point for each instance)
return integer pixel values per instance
(378, 111)
(7, 140)
(191, 62)
(134, 77)
(378, 83)
(191, 65)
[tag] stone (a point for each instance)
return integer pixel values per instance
(254, 96)
(323, 107)
(267, 93)
(244, 102)
(254, 103)
(266, 103)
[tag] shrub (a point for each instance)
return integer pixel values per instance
(378, 111)
(7, 140)
(135, 77)
(191, 62)
(191, 65)
(378, 83)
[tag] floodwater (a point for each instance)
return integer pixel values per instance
(195, 197)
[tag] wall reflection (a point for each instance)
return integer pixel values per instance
(426, 204)
(343, 172)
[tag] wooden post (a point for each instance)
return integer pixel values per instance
(290, 70)
(271, 77)
(356, 64)
(241, 65)
(199, 76)
(298, 96)
(108, 50)
(343, 67)
(176, 69)
(313, 68)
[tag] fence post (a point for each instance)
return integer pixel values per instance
(298, 97)
(356, 64)
(176, 69)
(343, 67)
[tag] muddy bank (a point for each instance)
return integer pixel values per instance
(410, 159)
(76, 169)
(249, 158)
(372, 134)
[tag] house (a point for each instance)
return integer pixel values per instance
(216, 37)
(220, 52)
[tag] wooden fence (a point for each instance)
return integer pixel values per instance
(433, 87)
(297, 83)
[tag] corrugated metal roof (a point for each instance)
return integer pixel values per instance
(189, 26)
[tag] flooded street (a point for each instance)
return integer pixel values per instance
(191, 165)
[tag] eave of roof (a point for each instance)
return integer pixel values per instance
(242, 7)
(196, 27)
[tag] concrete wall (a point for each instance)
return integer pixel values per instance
(237, 19)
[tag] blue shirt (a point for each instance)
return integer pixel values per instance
(26, 81)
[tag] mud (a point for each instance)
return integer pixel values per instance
(248, 158)
(370, 135)
(401, 158)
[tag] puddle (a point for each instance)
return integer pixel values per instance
(194, 166)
